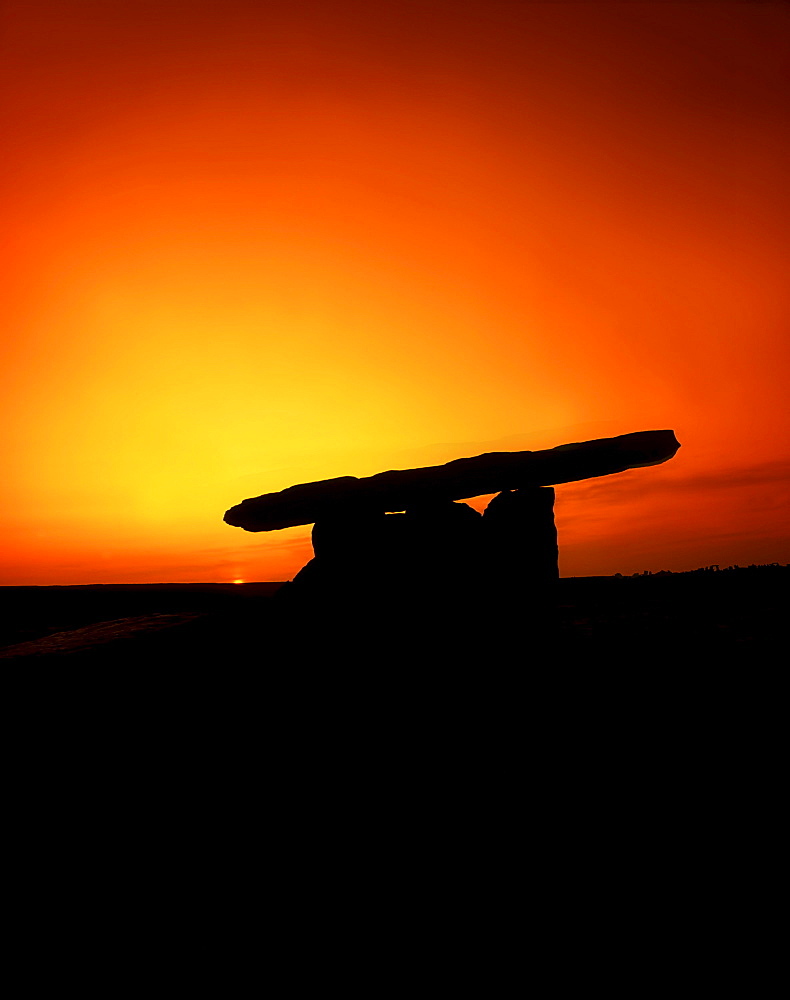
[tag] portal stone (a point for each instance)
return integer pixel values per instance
(520, 538)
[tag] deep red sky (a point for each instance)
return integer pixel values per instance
(253, 244)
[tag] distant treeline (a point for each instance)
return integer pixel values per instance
(753, 568)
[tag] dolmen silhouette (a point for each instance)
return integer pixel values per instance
(400, 543)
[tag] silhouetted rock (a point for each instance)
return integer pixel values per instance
(436, 582)
(432, 549)
(439, 572)
(521, 537)
(349, 497)
(447, 537)
(433, 574)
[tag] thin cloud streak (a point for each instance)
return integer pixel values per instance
(627, 485)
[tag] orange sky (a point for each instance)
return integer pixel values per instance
(249, 244)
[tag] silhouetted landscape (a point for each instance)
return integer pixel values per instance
(220, 710)
(734, 612)
(366, 267)
(403, 576)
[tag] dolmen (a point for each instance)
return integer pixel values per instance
(401, 539)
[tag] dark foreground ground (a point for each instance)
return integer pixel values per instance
(205, 752)
(737, 614)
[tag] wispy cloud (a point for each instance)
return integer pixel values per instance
(666, 479)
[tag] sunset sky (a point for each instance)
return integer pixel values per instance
(251, 244)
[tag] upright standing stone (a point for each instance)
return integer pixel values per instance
(521, 544)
